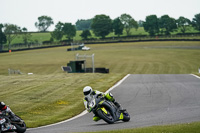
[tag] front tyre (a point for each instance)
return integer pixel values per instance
(126, 116)
(106, 117)
(21, 127)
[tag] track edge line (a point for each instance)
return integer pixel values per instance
(195, 76)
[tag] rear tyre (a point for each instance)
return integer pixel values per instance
(106, 117)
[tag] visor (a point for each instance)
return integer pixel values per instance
(87, 92)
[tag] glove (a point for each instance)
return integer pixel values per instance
(89, 109)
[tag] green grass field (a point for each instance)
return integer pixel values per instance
(51, 95)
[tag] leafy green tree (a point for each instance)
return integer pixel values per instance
(196, 22)
(58, 33)
(63, 29)
(118, 27)
(83, 24)
(3, 38)
(128, 23)
(44, 22)
(26, 36)
(151, 25)
(69, 30)
(85, 34)
(11, 31)
(167, 24)
(183, 23)
(59, 26)
(101, 25)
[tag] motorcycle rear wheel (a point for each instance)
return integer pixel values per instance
(106, 117)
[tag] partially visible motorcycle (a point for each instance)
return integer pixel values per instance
(107, 110)
(7, 124)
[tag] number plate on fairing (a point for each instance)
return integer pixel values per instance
(2, 121)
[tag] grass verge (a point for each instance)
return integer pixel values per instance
(46, 99)
(177, 128)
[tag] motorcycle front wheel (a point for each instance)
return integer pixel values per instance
(106, 116)
(21, 128)
(126, 116)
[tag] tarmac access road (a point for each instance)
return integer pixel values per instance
(150, 99)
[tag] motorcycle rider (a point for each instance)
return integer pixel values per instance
(88, 92)
(5, 109)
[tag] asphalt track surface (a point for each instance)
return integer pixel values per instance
(150, 99)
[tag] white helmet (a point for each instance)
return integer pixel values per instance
(87, 90)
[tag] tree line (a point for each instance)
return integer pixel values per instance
(101, 25)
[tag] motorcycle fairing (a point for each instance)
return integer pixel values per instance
(121, 116)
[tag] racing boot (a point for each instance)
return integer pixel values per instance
(8, 127)
(96, 118)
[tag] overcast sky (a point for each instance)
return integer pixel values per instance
(24, 13)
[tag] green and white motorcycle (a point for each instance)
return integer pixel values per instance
(107, 110)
